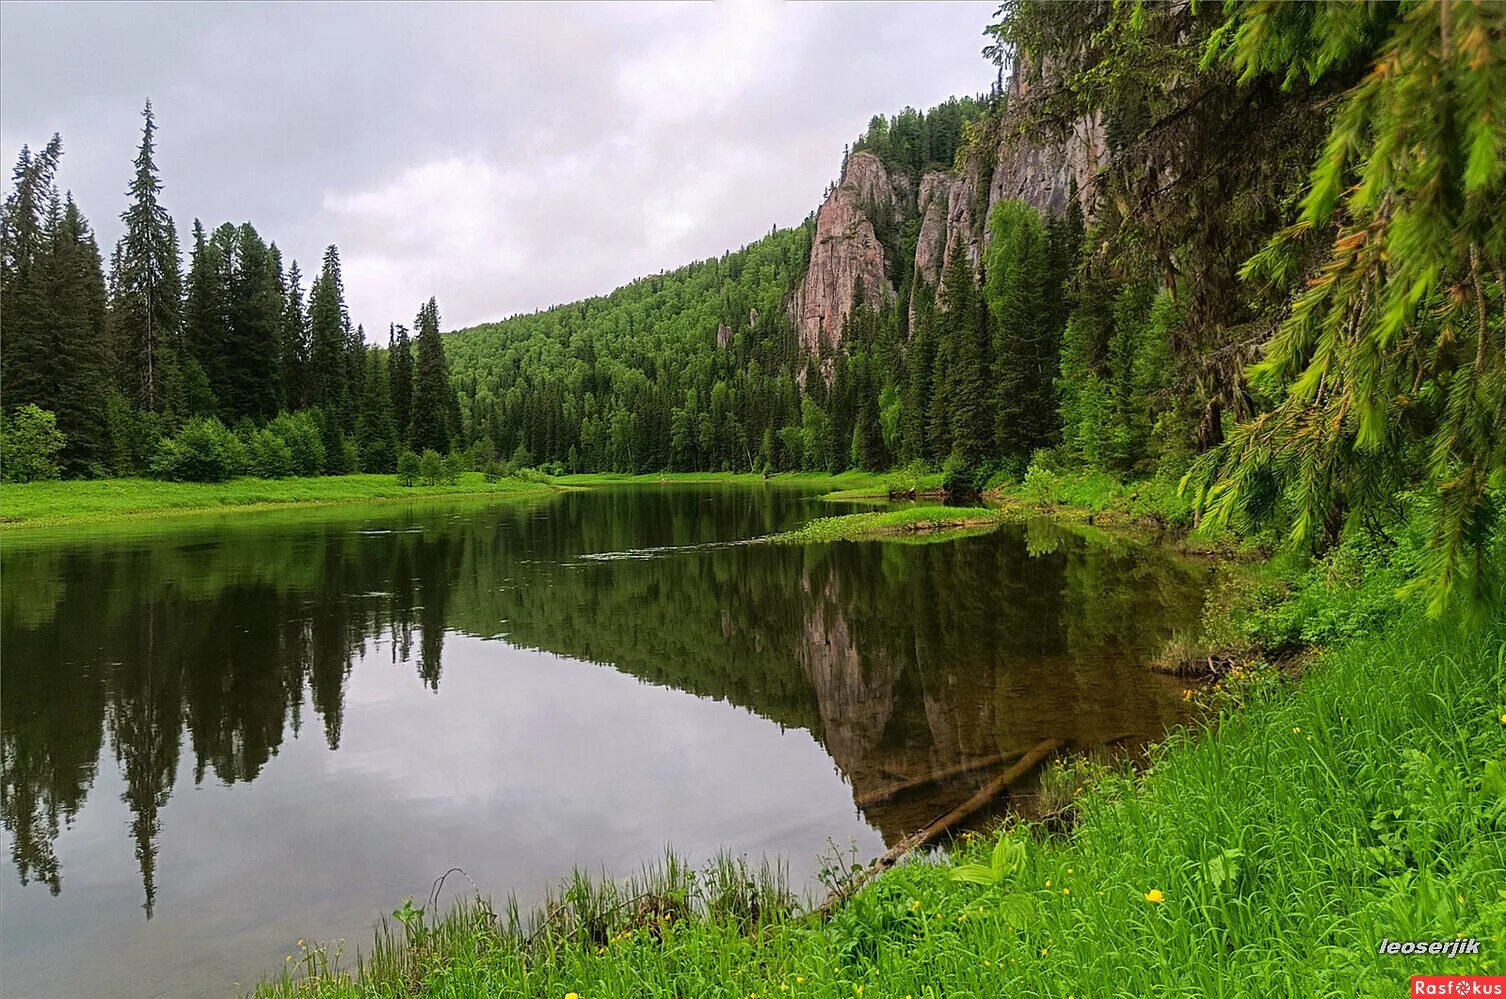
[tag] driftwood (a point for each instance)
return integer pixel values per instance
(910, 784)
(979, 801)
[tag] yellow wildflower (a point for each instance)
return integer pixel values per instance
(799, 979)
(1048, 882)
(1045, 951)
(572, 995)
(1297, 730)
(1066, 891)
(1155, 895)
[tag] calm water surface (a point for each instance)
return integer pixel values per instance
(220, 736)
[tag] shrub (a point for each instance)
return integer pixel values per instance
(134, 435)
(407, 468)
(300, 432)
(1040, 483)
(30, 442)
(376, 455)
(431, 468)
(454, 466)
(267, 455)
(351, 461)
(203, 451)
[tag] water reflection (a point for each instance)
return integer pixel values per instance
(188, 655)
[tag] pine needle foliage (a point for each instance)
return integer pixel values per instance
(1388, 370)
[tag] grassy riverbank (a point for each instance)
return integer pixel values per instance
(914, 520)
(863, 481)
(1276, 849)
(103, 501)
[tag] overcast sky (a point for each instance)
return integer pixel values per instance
(504, 158)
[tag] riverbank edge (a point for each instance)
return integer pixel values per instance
(241, 495)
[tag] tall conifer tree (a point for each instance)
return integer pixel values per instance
(433, 399)
(400, 377)
(295, 343)
(146, 310)
(328, 325)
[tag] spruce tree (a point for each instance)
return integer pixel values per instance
(400, 377)
(967, 402)
(206, 320)
(54, 351)
(147, 286)
(329, 340)
(920, 357)
(79, 350)
(25, 248)
(255, 328)
(1026, 346)
(433, 399)
(295, 343)
(375, 432)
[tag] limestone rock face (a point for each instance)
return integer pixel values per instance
(845, 253)
(1039, 168)
(949, 224)
(931, 243)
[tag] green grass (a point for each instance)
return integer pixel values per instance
(898, 481)
(64, 504)
(1266, 855)
(863, 481)
(910, 520)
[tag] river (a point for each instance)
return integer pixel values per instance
(224, 734)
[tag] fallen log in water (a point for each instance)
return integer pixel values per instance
(909, 784)
(979, 801)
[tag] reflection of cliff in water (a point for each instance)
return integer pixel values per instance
(207, 647)
(972, 649)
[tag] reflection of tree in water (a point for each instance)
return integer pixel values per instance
(897, 658)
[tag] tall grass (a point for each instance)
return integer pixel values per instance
(1266, 855)
(61, 504)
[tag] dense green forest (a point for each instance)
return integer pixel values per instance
(1279, 284)
(146, 369)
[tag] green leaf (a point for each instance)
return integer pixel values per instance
(1494, 781)
(1018, 910)
(976, 874)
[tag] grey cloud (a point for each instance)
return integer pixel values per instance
(504, 158)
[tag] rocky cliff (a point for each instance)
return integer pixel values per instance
(1039, 165)
(845, 253)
